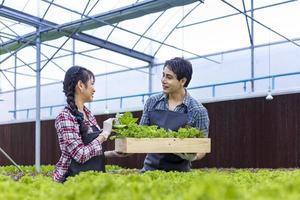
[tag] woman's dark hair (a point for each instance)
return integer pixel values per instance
(72, 76)
(181, 67)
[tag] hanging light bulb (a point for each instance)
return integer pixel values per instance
(269, 96)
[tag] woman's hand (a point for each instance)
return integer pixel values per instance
(107, 127)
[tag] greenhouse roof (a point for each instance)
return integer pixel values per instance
(132, 34)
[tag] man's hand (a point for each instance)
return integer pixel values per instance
(187, 156)
(112, 154)
(190, 156)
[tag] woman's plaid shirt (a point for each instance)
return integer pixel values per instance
(71, 144)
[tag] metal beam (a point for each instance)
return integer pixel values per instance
(168, 3)
(19, 16)
(73, 60)
(237, 13)
(113, 47)
(111, 17)
(49, 34)
(267, 27)
(122, 14)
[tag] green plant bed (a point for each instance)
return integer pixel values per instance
(125, 184)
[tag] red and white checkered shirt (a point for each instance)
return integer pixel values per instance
(71, 144)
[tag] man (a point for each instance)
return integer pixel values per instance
(172, 109)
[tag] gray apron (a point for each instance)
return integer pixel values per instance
(166, 161)
(96, 163)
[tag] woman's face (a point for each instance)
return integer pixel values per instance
(87, 91)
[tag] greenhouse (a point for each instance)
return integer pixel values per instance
(110, 68)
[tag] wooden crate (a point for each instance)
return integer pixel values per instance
(162, 145)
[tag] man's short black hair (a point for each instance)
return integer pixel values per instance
(181, 67)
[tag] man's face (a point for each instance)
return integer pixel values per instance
(169, 81)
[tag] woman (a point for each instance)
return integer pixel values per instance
(79, 135)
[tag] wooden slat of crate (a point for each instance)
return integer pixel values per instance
(162, 145)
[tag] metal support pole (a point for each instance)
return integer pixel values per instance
(150, 77)
(252, 46)
(73, 52)
(38, 103)
(15, 88)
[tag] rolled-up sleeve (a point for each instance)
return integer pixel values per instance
(145, 119)
(69, 134)
(202, 121)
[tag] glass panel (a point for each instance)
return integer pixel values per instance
(108, 5)
(282, 19)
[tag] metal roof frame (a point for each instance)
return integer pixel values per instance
(52, 31)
